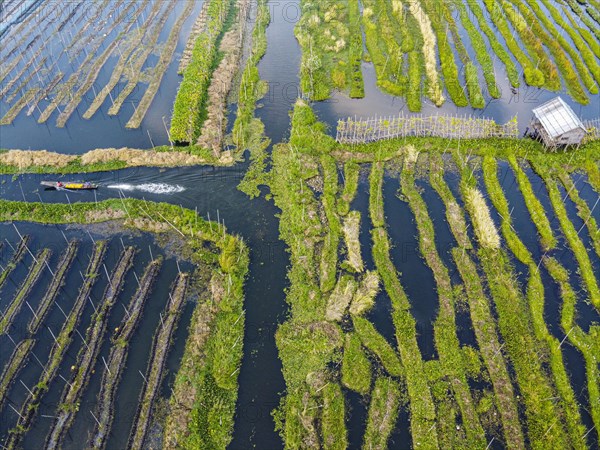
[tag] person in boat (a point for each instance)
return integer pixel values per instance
(59, 184)
(87, 185)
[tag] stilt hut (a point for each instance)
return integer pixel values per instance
(556, 125)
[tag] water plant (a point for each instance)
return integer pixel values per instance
(156, 364)
(383, 412)
(187, 117)
(535, 299)
(61, 345)
(16, 258)
(118, 356)
(8, 316)
(88, 354)
(356, 367)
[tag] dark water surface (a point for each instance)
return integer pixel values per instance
(212, 192)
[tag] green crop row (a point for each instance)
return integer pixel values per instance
(514, 322)
(481, 50)
(421, 405)
(188, 108)
(15, 259)
(558, 45)
(20, 297)
(479, 46)
(585, 266)
(446, 55)
(383, 413)
(583, 210)
(59, 348)
(376, 343)
(329, 253)
(585, 343)
(534, 206)
(248, 130)
(535, 298)
(446, 340)
(586, 20)
(584, 51)
(533, 75)
(356, 367)
(351, 174)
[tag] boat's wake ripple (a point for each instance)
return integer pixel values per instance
(153, 188)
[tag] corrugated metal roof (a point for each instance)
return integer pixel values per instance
(557, 117)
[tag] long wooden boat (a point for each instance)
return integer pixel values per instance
(72, 186)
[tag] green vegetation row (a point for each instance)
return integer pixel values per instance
(585, 266)
(231, 260)
(69, 403)
(583, 210)
(8, 316)
(248, 130)
(17, 361)
(15, 259)
(115, 363)
(446, 340)
(515, 325)
(535, 298)
(60, 347)
(156, 364)
(587, 344)
(479, 310)
(187, 116)
(58, 281)
(421, 405)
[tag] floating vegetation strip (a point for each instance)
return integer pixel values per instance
(479, 310)
(248, 130)
(535, 299)
(231, 49)
(58, 281)
(515, 324)
(446, 340)
(585, 265)
(587, 344)
(118, 355)
(16, 108)
(41, 260)
(187, 111)
(15, 259)
(88, 354)
(583, 210)
(136, 63)
(65, 90)
(132, 44)
(16, 362)
(534, 206)
(59, 349)
(159, 70)
(356, 367)
(383, 412)
(421, 405)
(160, 349)
(377, 344)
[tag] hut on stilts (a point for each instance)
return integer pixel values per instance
(556, 125)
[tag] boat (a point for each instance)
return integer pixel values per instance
(71, 186)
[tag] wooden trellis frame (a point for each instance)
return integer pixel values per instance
(360, 131)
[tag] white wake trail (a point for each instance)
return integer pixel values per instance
(153, 188)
